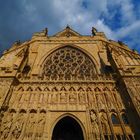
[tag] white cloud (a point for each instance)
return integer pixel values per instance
(129, 30)
(102, 27)
(56, 14)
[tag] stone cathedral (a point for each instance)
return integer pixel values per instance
(69, 86)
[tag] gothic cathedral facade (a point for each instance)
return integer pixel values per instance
(70, 87)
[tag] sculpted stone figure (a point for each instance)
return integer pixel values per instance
(110, 101)
(104, 123)
(100, 101)
(63, 97)
(72, 97)
(4, 88)
(119, 100)
(137, 101)
(54, 97)
(92, 100)
(18, 126)
(82, 97)
(29, 130)
(6, 125)
(95, 126)
(40, 124)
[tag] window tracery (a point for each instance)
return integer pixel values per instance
(69, 63)
(114, 119)
(125, 119)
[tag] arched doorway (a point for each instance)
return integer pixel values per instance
(67, 129)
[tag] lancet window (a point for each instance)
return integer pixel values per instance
(114, 119)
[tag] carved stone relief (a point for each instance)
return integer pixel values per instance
(82, 97)
(18, 127)
(63, 97)
(30, 128)
(4, 88)
(109, 100)
(104, 123)
(40, 124)
(6, 125)
(72, 97)
(100, 101)
(95, 125)
(119, 101)
(92, 100)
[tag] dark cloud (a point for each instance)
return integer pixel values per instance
(20, 19)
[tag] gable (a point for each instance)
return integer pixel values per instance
(67, 32)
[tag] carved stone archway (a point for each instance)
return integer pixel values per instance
(67, 129)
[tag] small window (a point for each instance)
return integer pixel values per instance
(114, 119)
(124, 118)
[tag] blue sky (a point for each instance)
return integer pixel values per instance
(119, 19)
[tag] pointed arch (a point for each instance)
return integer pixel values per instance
(46, 89)
(29, 89)
(20, 89)
(80, 89)
(68, 63)
(33, 111)
(97, 89)
(72, 89)
(63, 89)
(54, 89)
(115, 119)
(88, 89)
(106, 89)
(22, 111)
(38, 89)
(73, 117)
(124, 118)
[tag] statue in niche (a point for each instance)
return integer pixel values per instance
(100, 101)
(6, 125)
(137, 101)
(104, 123)
(45, 98)
(63, 97)
(13, 103)
(82, 97)
(18, 126)
(110, 102)
(72, 97)
(29, 130)
(92, 100)
(24, 102)
(119, 101)
(54, 97)
(40, 124)
(41, 98)
(95, 126)
(3, 92)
